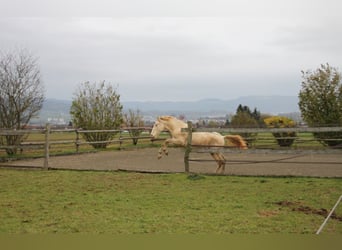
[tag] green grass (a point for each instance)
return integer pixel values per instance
(121, 203)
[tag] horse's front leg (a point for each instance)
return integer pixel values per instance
(163, 149)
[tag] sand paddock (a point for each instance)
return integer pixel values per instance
(145, 160)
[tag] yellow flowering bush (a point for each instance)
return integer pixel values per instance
(284, 139)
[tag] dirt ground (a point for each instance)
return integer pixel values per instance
(145, 160)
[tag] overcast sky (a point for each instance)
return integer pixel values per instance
(175, 50)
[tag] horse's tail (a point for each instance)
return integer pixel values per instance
(237, 141)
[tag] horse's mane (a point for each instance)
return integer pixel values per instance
(168, 118)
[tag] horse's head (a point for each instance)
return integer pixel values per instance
(158, 127)
(168, 123)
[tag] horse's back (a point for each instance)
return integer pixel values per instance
(207, 138)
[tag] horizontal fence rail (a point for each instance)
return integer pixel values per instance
(271, 130)
(296, 130)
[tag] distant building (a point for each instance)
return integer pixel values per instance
(57, 121)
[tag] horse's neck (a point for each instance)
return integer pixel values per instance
(175, 127)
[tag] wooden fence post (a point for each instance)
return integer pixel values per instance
(188, 148)
(77, 141)
(120, 139)
(47, 146)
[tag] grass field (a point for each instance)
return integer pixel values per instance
(121, 203)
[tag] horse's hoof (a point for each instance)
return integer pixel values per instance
(159, 157)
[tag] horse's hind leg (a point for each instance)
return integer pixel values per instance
(218, 160)
(222, 163)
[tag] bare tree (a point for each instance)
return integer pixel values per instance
(21, 95)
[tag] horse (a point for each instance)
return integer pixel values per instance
(179, 138)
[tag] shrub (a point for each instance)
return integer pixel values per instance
(97, 107)
(284, 139)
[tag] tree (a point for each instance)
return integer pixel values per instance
(256, 115)
(244, 119)
(320, 101)
(97, 107)
(133, 119)
(21, 96)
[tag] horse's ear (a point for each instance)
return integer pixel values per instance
(163, 118)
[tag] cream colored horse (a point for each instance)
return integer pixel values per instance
(174, 126)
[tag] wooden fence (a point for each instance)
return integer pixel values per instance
(211, 149)
(78, 141)
(47, 131)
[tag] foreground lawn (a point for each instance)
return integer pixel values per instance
(117, 202)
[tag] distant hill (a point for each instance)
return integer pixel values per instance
(54, 111)
(265, 104)
(57, 111)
